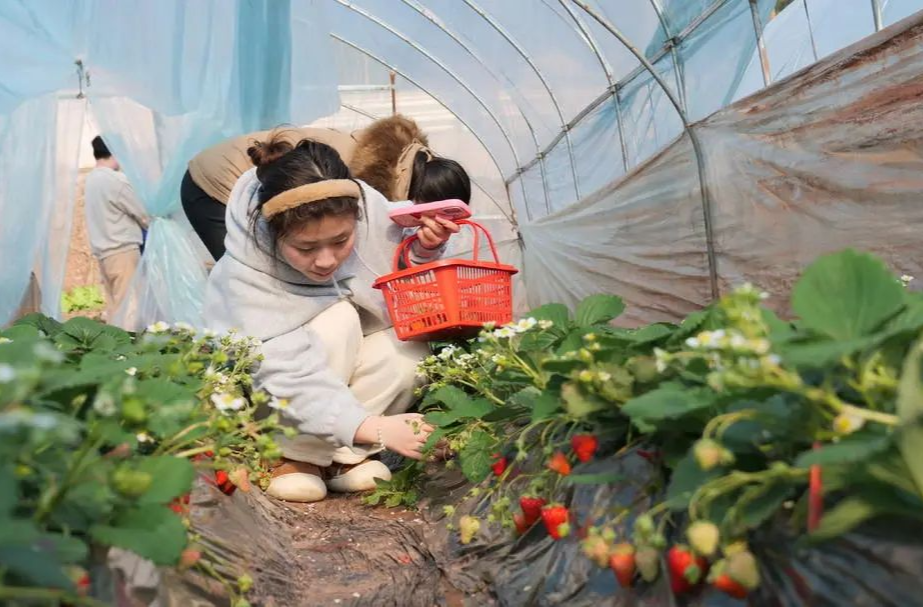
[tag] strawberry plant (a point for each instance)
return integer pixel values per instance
(735, 409)
(88, 298)
(101, 433)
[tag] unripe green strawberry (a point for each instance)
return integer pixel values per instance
(703, 537)
(468, 527)
(648, 562)
(133, 410)
(743, 569)
(131, 483)
(596, 549)
(644, 368)
(644, 525)
(245, 583)
(710, 454)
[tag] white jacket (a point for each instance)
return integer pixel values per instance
(263, 297)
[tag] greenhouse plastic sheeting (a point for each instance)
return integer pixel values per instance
(211, 70)
(824, 160)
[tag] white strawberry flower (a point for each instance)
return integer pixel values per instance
(158, 327)
(227, 402)
(504, 333)
(847, 423)
(131, 370)
(661, 359)
(104, 404)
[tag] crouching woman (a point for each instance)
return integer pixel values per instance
(304, 245)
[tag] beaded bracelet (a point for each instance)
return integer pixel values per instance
(381, 440)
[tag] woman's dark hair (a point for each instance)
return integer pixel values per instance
(438, 179)
(100, 149)
(281, 167)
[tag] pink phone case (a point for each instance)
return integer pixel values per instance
(409, 216)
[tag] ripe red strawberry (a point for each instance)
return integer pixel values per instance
(180, 505)
(622, 562)
(522, 526)
(499, 465)
(189, 557)
(557, 520)
(531, 508)
(83, 584)
(559, 464)
(224, 483)
(584, 446)
(686, 570)
(725, 584)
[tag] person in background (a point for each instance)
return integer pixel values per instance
(116, 221)
(305, 244)
(390, 155)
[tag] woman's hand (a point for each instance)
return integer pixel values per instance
(405, 433)
(435, 231)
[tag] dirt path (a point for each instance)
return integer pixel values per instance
(334, 552)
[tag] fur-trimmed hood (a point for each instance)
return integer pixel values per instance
(378, 151)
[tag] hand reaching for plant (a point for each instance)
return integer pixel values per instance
(405, 433)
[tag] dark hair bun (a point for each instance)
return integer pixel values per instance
(262, 153)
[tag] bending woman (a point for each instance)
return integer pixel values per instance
(390, 155)
(305, 243)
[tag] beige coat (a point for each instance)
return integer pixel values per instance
(374, 155)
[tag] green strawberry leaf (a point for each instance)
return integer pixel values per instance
(578, 404)
(151, 531)
(555, 312)
(172, 476)
(670, 401)
(910, 412)
(687, 477)
(475, 456)
(598, 309)
(757, 504)
(847, 295)
(855, 448)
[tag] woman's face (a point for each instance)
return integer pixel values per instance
(321, 246)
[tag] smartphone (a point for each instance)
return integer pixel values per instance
(409, 216)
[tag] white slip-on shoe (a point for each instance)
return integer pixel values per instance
(358, 477)
(297, 482)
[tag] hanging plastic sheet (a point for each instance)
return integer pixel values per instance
(54, 251)
(642, 238)
(35, 185)
(827, 159)
(220, 70)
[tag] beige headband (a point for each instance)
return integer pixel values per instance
(405, 168)
(313, 192)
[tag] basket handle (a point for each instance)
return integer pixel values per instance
(403, 249)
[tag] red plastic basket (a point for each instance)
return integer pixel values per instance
(449, 298)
